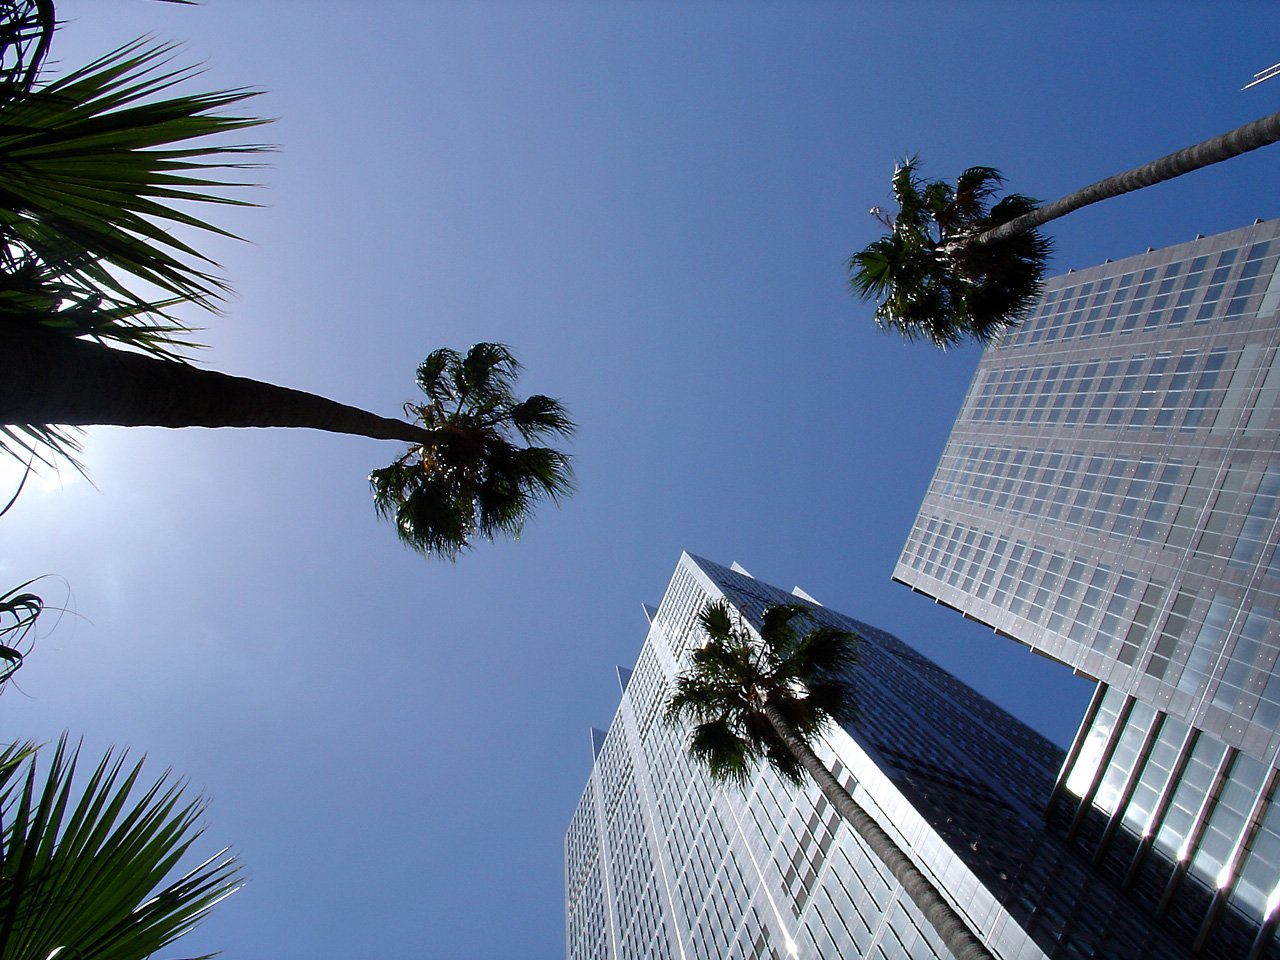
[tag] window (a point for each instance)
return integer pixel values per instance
(1216, 283)
(1242, 658)
(1174, 625)
(1258, 521)
(1208, 643)
(1141, 626)
(1080, 779)
(1197, 777)
(1204, 389)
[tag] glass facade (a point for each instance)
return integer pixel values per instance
(662, 863)
(1109, 497)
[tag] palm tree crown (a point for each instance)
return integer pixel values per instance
(929, 277)
(794, 665)
(952, 267)
(475, 478)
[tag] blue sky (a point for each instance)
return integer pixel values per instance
(652, 203)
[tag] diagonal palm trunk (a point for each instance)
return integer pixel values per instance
(942, 917)
(1251, 136)
(52, 378)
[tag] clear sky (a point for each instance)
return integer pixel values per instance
(653, 204)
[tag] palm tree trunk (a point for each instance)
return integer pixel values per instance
(52, 378)
(950, 927)
(1251, 136)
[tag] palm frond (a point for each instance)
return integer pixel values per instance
(834, 698)
(26, 28)
(716, 618)
(539, 416)
(783, 761)
(97, 165)
(432, 374)
(728, 757)
(19, 611)
(88, 874)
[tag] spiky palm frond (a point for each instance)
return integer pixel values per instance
(97, 170)
(87, 875)
(930, 276)
(800, 667)
(476, 480)
(26, 28)
(97, 167)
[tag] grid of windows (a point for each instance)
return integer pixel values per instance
(1112, 393)
(1183, 797)
(662, 864)
(1110, 494)
(1199, 288)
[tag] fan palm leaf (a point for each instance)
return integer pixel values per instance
(87, 874)
(97, 171)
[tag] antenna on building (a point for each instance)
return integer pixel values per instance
(1261, 75)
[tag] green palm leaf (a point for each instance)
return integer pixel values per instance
(87, 875)
(94, 168)
(97, 171)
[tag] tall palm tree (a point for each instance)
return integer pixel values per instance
(767, 696)
(89, 875)
(953, 266)
(466, 473)
(96, 168)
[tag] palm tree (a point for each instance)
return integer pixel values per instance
(930, 280)
(954, 266)
(474, 478)
(768, 696)
(96, 167)
(465, 474)
(89, 876)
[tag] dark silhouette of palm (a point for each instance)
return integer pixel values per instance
(95, 166)
(930, 278)
(955, 265)
(767, 696)
(475, 478)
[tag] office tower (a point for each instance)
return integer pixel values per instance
(661, 863)
(1108, 497)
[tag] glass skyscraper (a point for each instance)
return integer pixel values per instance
(1109, 497)
(662, 863)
